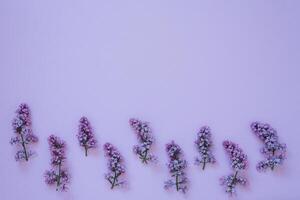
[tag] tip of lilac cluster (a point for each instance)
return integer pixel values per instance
(226, 143)
(24, 107)
(56, 142)
(133, 121)
(107, 146)
(204, 129)
(258, 127)
(83, 119)
(170, 145)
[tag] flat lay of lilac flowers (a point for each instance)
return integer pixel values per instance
(85, 135)
(58, 175)
(238, 163)
(203, 144)
(145, 139)
(273, 151)
(115, 166)
(22, 127)
(176, 167)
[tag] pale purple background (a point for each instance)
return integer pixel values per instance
(177, 64)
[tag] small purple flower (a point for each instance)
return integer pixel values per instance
(22, 127)
(176, 166)
(273, 151)
(204, 144)
(58, 175)
(238, 163)
(145, 140)
(115, 166)
(85, 135)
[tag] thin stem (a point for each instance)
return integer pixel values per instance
(114, 181)
(204, 163)
(177, 183)
(23, 145)
(144, 158)
(58, 177)
(235, 176)
(273, 153)
(86, 150)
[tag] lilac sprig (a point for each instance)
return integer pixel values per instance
(145, 139)
(176, 166)
(85, 135)
(115, 166)
(22, 127)
(238, 163)
(58, 175)
(203, 145)
(273, 151)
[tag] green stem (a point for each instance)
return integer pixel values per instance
(24, 148)
(144, 158)
(86, 150)
(58, 177)
(273, 153)
(114, 181)
(204, 163)
(177, 183)
(235, 176)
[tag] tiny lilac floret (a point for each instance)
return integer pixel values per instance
(58, 174)
(273, 151)
(145, 139)
(115, 166)
(22, 127)
(203, 144)
(238, 163)
(85, 135)
(177, 166)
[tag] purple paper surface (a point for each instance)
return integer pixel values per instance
(179, 65)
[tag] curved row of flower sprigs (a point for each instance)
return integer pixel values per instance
(273, 151)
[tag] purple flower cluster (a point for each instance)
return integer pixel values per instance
(237, 157)
(273, 151)
(231, 181)
(145, 140)
(238, 163)
(176, 166)
(22, 127)
(58, 175)
(115, 166)
(85, 135)
(204, 144)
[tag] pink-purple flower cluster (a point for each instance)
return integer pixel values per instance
(273, 151)
(176, 166)
(115, 166)
(145, 139)
(22, 127)
(85, 135)
(238, 163)
(58, 175)
(203, 145)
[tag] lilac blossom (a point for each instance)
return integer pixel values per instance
(273, 151)
(176, 166)
(115, 166)
(85, 135)
(238, 163)
(58, 174)
(145, 140)
(204, 144)
(22, 127)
